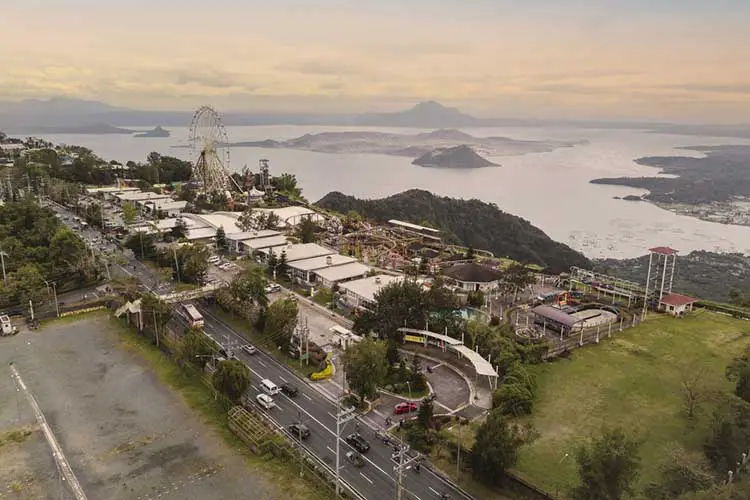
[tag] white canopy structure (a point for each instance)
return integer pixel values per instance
(482, 367)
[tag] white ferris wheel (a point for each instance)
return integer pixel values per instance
(209, 147)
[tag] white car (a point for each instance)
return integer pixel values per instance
(265, 401)
(273, 288)
(250, 349)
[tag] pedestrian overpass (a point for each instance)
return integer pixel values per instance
(204, 291)
(482, 367)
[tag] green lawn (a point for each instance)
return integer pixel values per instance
(632, 380)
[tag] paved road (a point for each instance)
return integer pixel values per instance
(313, 407)
(376, 480)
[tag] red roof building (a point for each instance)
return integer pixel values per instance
(677, 304)
(663, 250)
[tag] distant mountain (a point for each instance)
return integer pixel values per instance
(93, 129)
(157, 131)
(455, 157)
(466, 222)
(429, 114)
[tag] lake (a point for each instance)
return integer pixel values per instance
(551, 190)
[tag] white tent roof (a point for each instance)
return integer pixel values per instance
(481, 365)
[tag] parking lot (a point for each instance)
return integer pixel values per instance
(125, 435)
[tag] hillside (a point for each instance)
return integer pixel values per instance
(467, 222)
(707, 275)
(455, 157)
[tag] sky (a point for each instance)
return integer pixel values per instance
(682, 60)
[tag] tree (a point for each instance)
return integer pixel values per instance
(28, 284)
(66, 249)
(693, 389)
(180, 229)
(416, 375)
(129, 213)
(193, 262)
(738, 372)
(424, 415)
(282, 262)
(516, 278)
(496, 448)
(195, 347)
(397, 305)
(142, 245)
(221, 239)
(286, 184)
(307, 230)
(268, 220)
(231, 378)
(250, 286)
(281, 319)
(608, 467)
(470, 252)
(365, 367)
(246, 220)
(729, 434)
(683, 472)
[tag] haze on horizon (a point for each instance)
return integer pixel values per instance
(680, 60)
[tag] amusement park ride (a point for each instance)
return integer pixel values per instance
(209, 148)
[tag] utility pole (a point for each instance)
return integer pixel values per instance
(342, 417)
(57, 306)
(458, 454)
(403, 466)
(156, 330)
(3, 254)
(176, 263)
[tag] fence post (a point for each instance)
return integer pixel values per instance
(622, 320)
(597, 333)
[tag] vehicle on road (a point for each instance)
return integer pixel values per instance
(214, 259)
(269, 387)
(405, 407)
(299, 431)
(289, 390)
(355, 458)
(357, 442)
(195, 319)
(265, 401)
(250, 349)
(273, 288)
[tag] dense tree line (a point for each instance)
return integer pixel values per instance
(466, 222)
(37, 247)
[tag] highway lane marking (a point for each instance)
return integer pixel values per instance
(282, 378)
(334, 434)
(366, 478)
(255, 388)
(261, 363)
(332, 415)
(305, 395)
(433, 490)
(415, 496)
(386, 474)
(329, 449)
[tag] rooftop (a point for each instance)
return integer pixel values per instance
(261, 244)
(168, 204)
(321, 262)
(301, 251)
(140, 196)
(201, 233)
(663, 250)
(472, 273)
(164, 224)
(367, 288)
(677, 300)
(252, 235)
(111, 189)
(556, 315)
(218, 219)
(287, 213)
(347, 271)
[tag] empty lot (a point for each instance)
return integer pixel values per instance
(125, 435)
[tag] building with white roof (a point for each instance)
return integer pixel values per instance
(361, 293)
(227, 220)
(244, 241)
(298, 251)
(170, 208)
(305, 269)
(263, 244)
(329, 276)
(138, 197)
(202, 234)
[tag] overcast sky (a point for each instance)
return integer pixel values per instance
(675, 59)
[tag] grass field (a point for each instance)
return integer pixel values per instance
(634, 381)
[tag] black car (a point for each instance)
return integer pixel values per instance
(298, 430)
(289, 390)
(358, 442)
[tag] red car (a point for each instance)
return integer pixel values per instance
(406, 407)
